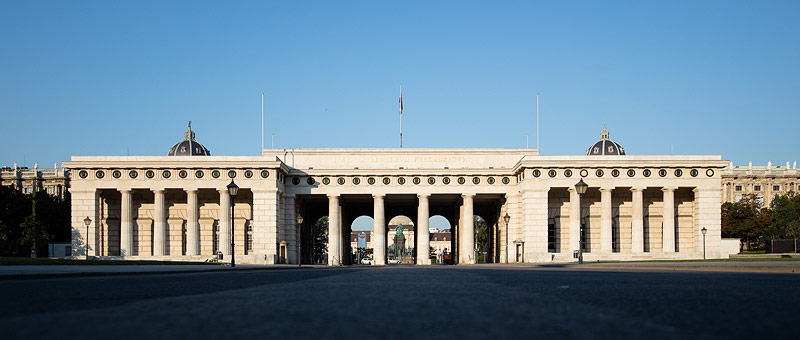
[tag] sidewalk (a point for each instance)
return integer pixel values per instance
(742, 267)
(61, 271)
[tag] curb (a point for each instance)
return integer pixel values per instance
(10, 277)
(734, 269)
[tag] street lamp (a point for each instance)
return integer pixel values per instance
(506, 219)
(233, 190)
(580, 188)
(87, 221)
(704, 231)
(297, 240)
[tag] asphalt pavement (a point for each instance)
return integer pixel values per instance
(405, 302)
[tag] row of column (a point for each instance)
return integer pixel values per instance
(637, 224)
(160, 225)
(466, 233)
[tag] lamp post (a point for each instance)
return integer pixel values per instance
(87, 221)
(506, 219)
(580, 188)
(233, 190)
(704, 231)
(299, 220)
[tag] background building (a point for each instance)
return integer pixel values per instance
(763, 181)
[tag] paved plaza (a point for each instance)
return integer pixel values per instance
(400, 302)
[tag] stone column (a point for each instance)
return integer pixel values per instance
(605, 220)
(126, 224)
(192, 223)
(668, 224)
(467, 234)
(423, 236)
(224, 238)
(378, 231)
(159, 224)
(637, 221)
(574, 220)
(334, 232)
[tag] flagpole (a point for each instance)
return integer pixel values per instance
(537, 121)
(401, 116)
(262, 121)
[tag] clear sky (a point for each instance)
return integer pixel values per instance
(124, 77)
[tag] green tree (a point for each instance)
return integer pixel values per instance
(747, 220)
(320, 238)
(34, 234)
(481, 237)
(785, 216)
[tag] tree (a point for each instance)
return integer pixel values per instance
(785, 216)
(747, 220)
(320, 238)
(34, 233)
(481, 236)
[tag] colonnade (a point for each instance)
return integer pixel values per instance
(335, 242)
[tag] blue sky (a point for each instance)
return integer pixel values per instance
(122, 78)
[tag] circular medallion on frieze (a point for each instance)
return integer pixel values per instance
(83, 174)
(662, 173)
(150, 174)
(295, 181)
(231, 174)
(166, 174)
(490, 180)
(326, 180)
(551, 173)
(646, 172)
(506, 180)
(133, 174)
(631, 172)
(264, 173)
(599, 173)
(199, 174)
(476, 180)
(248, 174)
(446, 180)
(215, 174)
(615, 173)
(340, 180)
(584, 172)
(568, 173)
(386, 181)
(416, 180)
(709, 172)
(537, 173)
(694, 172)
(461, 180)
(401, 180)
(356, 181)
(183, 174)
(99, 174)
(371, 180)
(678, 172)
(431, 180)
(310, 180)
(116, 174)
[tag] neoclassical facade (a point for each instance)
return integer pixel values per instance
(762, 181)
(177, 207)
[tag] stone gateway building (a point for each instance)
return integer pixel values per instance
(177, 207)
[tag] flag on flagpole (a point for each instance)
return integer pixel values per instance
(401, 100)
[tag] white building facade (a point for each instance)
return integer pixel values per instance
(178, 207)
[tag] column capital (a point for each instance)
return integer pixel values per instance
(425, 196)
(669, 189)
(634, 189)
(377, 196)
(467, 195)
(190, 189)
(125, 190)
(157, 190)
(606, 188)
(333, 196)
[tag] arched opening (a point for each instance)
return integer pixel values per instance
(361, 244)
(401, 241)
(441, 240)
(319, 239)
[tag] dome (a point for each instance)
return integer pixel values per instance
(605, 146)
(189, 146)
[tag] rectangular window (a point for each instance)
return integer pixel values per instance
(776, 188)
(551, 237)
(738, 188)
(50, 190)
(249, 236)
(757, 187)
